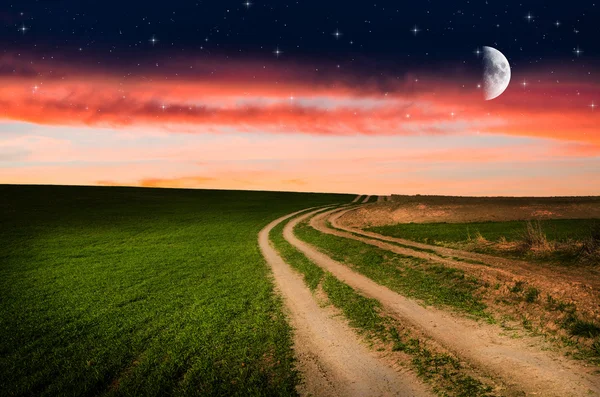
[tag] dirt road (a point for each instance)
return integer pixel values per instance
(335, 215)
(520, 365)
(332, 360)
(581, 286)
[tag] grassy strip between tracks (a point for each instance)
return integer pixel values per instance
(442, 370)
(413, 277)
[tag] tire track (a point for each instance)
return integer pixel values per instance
(331, 358)
(508, 269)
(515, 361)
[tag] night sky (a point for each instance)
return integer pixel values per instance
(397, 35)
(404, 76)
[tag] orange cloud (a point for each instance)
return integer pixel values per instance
(183, 182)
(211, 97)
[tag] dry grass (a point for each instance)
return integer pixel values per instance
(534, 238)
(590, 249)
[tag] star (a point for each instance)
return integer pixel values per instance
(577, 51)
(415, 30)
(337, 34)
(524, 83)
(557, 23)
(277, 52)
(153, 40)
(477, 52)
(163, 107)
(23, 28)
(247, 4)
(529, 17)
(593, 106)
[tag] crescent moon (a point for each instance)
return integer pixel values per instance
(496, 73)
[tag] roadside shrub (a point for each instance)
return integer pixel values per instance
(534, 238)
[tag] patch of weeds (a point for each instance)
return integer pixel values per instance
(587, 329)
(479, 239)
(517, 288)
(566, 307)
(556, 305)
(532, 294)
(579, 327)
(534, 238)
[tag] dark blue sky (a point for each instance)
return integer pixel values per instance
(376, 32)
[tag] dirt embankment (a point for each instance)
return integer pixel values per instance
(424, 209)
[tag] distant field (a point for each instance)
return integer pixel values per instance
(563, 240)
(561, 230)
(141, 291)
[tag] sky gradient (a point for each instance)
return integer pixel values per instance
(327, 115)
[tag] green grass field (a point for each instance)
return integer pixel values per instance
(565, 236)
(561, 230)
(126, 291)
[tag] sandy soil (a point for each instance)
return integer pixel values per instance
(518, 362)
(331, 358)
(423, 209)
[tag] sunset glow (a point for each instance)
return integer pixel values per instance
(277, 126)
